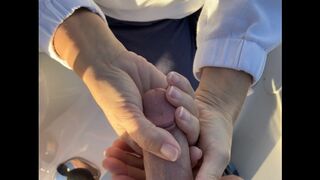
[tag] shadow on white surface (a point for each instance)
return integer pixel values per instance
(72, 124)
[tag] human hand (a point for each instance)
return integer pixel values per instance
(219, 97)
(214, 141)
(218, 108)
(187, 122)
(129, 64)
(116, 79)
(125, 164)
(117, 87)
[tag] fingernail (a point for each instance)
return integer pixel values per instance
(170, 152)
(183, 114)
(105, 153)
(174, 77)
(173, 92)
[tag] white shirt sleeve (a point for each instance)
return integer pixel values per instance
(237, 34)
(51, 14)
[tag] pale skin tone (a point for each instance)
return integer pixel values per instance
(117, 78)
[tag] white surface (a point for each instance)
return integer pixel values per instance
(80, 129)
(271, 168)
(256, 148)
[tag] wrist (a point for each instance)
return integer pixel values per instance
(223, 90)
(83, 40)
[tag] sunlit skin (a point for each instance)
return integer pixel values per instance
(124, 164)
(116, 79)
(160, 112)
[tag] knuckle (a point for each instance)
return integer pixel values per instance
(192, 140)
(193, 137)
(195, 133)
(184, 79)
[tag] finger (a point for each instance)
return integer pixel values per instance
(188, 124)
(130, 142)
(150, 138)
(231, 177)
(145, 75)
(153, 139)
(181, 82)
(121, 177)
(212, 166)
(126, 157)
(117, 167)
(177, 98)
(195, 155)
(121, 144)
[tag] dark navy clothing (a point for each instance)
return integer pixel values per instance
(169, 44)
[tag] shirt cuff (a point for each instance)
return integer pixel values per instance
(236, 54)
(51, 14)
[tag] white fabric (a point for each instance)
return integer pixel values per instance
(51, 15)
(235, 34)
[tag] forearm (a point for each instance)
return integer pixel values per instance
(84, 40)
(224, 90)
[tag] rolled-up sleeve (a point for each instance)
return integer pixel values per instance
(237, 34)
(51, 14)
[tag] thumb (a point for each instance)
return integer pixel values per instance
(213, 166)
(153, 139)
